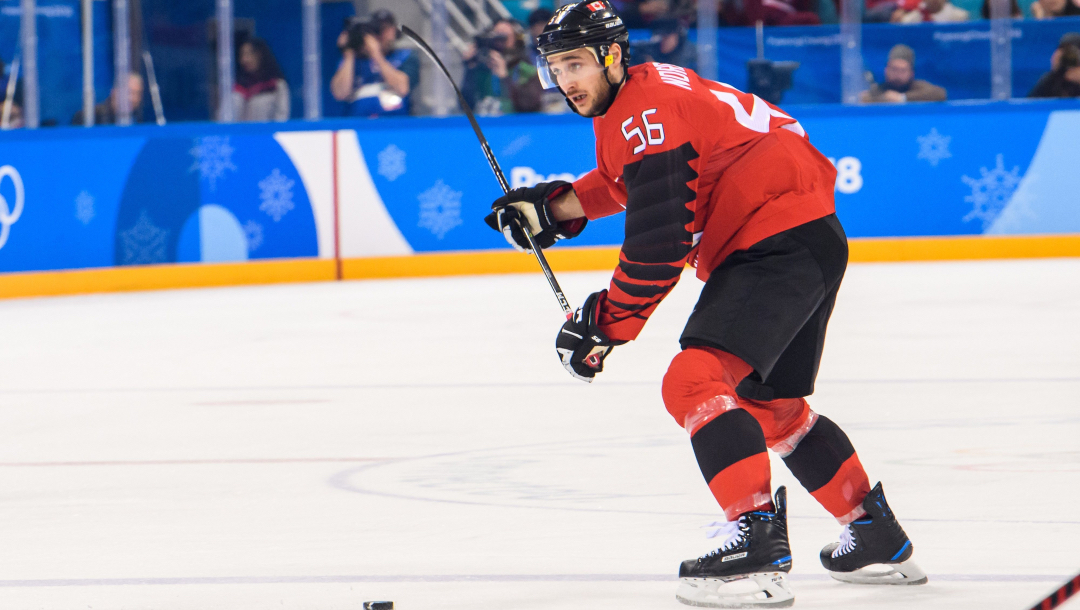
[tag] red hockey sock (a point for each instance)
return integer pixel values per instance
(699, 392)
(828, 467)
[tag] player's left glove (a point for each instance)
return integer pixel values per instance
(581, 345)
(531, 207)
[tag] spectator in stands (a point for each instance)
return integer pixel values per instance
(15, 116)
(498, 78)
(668, 45)
(537, 20)
(937, 11)
(1014, 9)
(638, 14)
(1063, 79)
(769, 12)
(15, 112)
(260, 93)
(374, 78)
(105, 113)
(879, 11)
(900, 83)
(13, 106)
(1048, 9)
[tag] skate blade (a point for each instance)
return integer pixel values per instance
(762, 590)
(906, 573)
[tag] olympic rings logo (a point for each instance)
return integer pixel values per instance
(9, 216)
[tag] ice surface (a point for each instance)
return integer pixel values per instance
(318, 445)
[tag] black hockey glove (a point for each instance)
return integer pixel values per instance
(581, 345)
(532, 207)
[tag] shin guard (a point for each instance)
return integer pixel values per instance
(825, 463)
(730, 451)
(699, 392)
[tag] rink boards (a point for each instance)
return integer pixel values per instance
(133, 208)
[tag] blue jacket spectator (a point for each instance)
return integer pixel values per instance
(374, 78)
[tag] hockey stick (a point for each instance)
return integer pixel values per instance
(540, 258)
(1058, 597)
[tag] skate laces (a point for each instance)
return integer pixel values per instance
(847, 542)
(731, 533)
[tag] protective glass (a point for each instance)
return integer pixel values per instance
(564, 68)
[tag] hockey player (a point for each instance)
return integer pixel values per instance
(719, 179)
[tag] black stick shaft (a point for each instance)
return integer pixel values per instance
(494, 163)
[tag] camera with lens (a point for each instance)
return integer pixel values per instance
(490, 42)
(357, 28)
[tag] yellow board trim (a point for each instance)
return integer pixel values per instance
(602, 259)
(973, 247)
(158, 277)
(477, 263)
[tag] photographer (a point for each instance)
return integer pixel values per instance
(1063, 79)
(498, 79)
(374, 78)
(668, 45)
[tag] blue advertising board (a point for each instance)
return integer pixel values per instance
(81, 198)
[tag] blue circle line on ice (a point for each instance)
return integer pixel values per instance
(461, 578)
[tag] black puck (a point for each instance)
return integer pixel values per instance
(378, 605)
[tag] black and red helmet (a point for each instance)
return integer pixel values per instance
(589, 24)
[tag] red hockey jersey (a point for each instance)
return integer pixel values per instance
(702, 170)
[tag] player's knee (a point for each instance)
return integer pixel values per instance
(694, 377)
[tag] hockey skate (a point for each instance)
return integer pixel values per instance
(748, 570)
(873, 549)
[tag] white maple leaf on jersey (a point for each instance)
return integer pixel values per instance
(991, 192)
(213, 157)
(276, 195)
(392, 162)
(933, 147)
(440, 209)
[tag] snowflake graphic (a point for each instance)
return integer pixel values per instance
(440, 209)
(213, 156)
(516, 145)
(991, 192)
(144, 243)
(1020, 209)
(934, 147)
(391, 162)
(253, 234)
(276, 195)
(84, 207)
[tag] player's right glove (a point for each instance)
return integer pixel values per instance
(581, 345)
(531, 207)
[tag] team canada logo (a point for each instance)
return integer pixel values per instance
(597, 6)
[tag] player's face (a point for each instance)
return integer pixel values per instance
(581, 78)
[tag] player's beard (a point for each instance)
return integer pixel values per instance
(601, 99)
(598, 100)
